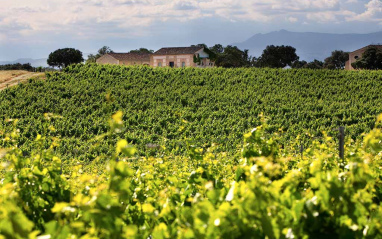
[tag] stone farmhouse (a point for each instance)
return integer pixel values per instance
(357, 54)
(125, 59)
(181, 57)
(164, 57)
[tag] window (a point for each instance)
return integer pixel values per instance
(356, 57)
(183, 64)
(160, 64)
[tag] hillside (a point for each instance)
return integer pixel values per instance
(310, 45)
(175, 108)
(128, 152)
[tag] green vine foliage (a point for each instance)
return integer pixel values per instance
(265, 194)
(158, 168)
(197, 59)
(169, 109)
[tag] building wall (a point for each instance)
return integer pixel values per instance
(107, 59)
(132, 62)
(202, 54)
(178, 60)
(353, 56)
(206, 63)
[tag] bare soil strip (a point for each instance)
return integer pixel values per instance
(11, 78)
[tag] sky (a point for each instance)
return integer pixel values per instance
(34, 28)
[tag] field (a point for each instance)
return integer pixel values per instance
(13, 77)
(170, 109)
(132, 152)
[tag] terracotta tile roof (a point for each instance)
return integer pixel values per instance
(177, 50)
(131, 56)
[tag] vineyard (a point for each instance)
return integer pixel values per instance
(137, 152)
(169, 110)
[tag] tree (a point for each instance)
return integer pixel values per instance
(17, 66)
(337, 60)
(299, 64)
(102, 51)
(229, 56)
(64, 57)
(277, 56)
(142, 50)
(212, 55)
(233, 57)
(217, 49)
(371, 59)
(91, 58)
(200, 45)
(316, 64)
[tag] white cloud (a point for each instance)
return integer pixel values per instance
(133, 17)
(373, 12)
(292, 19)
(322, 17)
(306, 5)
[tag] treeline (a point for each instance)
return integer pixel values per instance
(17, 66)
(273, 57)
(232, 57)
(25, 67)
(285, 56)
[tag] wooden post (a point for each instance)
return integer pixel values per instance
(341, 147)
(302, 150)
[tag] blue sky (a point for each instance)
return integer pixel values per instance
(34, 28)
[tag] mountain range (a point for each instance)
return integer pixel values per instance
(310, 45)
(33, 62)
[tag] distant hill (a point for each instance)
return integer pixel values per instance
(33, 62)
(310, 45)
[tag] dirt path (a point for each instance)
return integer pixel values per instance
(11, 78)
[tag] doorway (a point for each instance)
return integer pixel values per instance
(172, 64)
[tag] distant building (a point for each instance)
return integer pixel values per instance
(125, 59)
(170, 57)
(357, 54)
(181, 57)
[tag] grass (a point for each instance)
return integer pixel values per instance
(13, 77)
